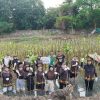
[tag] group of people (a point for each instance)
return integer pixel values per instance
(34, 78)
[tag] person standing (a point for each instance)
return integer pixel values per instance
(60, 59)
(64, 76)
(7, 80)
(15, 62)
(26, 62)
(51, 77)
(82, 61)
(21, 75)
(52, 59)
(7, 61)
(40, 80)
(29, 78)
(74, 70)
(90, 75)
(38, 62)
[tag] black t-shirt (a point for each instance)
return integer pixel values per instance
(7, 77)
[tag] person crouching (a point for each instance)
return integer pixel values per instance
(20, 82)
(51, 76)
(7, 80)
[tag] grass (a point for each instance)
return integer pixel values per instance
(42, 44)
(22, 46)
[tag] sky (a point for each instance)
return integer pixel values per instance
(52, 3)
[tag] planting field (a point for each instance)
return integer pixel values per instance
(71, 45)
(41, 44)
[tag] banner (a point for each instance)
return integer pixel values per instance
(45, 60)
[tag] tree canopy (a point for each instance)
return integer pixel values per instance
(85, 14)
(31, 14)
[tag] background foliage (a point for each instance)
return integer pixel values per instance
(31, 14)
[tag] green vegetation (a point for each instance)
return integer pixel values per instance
(24, 14)
(31, 14)
(85, 14)
(6, 27)
(78, 46)
(64, 22)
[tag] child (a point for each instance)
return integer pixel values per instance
(38, 62)
(40, 80)
(90, 75)
(20, 82)
(82, 62)
(7, 61)
(51, 76)
(60, 59)
(52, 58)
(64, 76)
(29, 78)
(74, 70)
(26, 62)
(15, 62)
(7, 80)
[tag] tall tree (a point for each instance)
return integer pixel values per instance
(50, 17)
(23, 13)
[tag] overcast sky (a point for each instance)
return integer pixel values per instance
(52, 3)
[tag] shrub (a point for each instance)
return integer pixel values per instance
(6, 27)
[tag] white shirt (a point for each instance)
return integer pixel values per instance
(6, 60)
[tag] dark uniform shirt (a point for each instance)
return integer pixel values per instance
(51, 75)
(90, 72)
(40, 77)
(7, 78)
(73, 67)
(60, 59)
(64, 75)
(22, 74)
